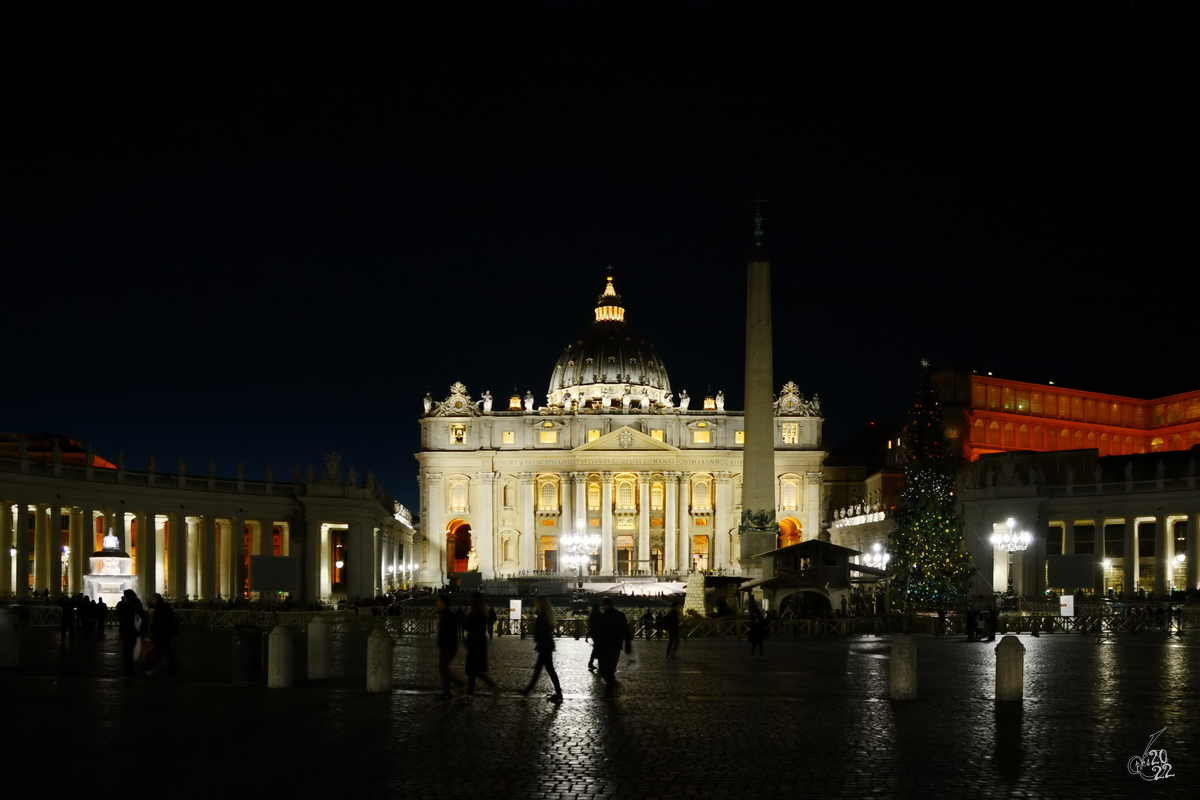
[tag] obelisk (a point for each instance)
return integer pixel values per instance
(759, 529)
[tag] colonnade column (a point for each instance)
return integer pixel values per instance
(177, 557)
(6, 544)
(1193, 553)
(311, 559)
(1037, 569)
(21, 545)
(144, 554)
(208, 586)
(566, 498)
(643, 546)
(1164, 556)
(485, 537)
(812, 504)
(528, 548)
(41, 549)
(721, 523)
(670, 527)
(87, 545)
(685, 529)
(606, 524)
(55, 546)
(1130, 571)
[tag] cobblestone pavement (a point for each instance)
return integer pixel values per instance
(812, 719)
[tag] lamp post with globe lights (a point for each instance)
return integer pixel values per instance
(580, 547)
(1011, 541)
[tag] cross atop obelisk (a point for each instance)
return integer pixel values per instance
(759, 529)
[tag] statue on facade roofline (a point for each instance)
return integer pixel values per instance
(721, 400)
(684, 400)
(120, 460)
(528, 401)
(333, 463)
(312, 474)
(151, 464)
(428, 402)
(353, 478)
(487, 401)
(212, 468)
(369, 482)
(270, 474)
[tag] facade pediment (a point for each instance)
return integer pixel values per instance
(626, 439)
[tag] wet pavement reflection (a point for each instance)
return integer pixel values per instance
(812, 719)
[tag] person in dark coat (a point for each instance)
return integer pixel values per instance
(543, 644)
(671, 626)
(648, 624)
(131, 619)
(447, 642)
(611, 633)
(758, 632)
(475, 636)
(163, 628)
(592, 621)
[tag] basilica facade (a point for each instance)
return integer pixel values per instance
(612, 454)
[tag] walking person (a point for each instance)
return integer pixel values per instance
(648, 624)
(543, 645)
(611, 633)
(758, 632)
(447, 642)
(671, 626)
(163, 628)
(592, 621)
(475, 637)
(131, 619)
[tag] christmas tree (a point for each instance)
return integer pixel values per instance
(929, 566)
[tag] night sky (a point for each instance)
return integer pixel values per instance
(260, 237)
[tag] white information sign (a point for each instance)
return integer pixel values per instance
(1066, 605)
(514, 616)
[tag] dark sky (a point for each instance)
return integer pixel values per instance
(261, 237)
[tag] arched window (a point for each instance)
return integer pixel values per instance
(625, 494)
(593, 496)
(1064, 439)
(1078, 440)
(656, 496)
(1036, 444)
(994, 432)
(788, 495)
(700, 496)
(1023, 436)
(1010, 436)
(1103, 448)
(977, 431)
(549, 496)
(458, 496)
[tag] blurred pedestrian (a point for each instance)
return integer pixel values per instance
(758, 632)
(475, 636)
(592, 620)
(163, 628)
(131, 621)
(611, 633)
(543, 645)
(671, 626)
(447, 642)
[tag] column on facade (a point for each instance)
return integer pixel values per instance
(721, 522)
(144, 555)
(643, 544)
(566, 497)
(685, 527)
(579, 521)
(177, 557)
(528, 547)
(1164, 553)
(41, 549)
(812, 506)
(670, 526)
(377, 545)
(485, 536)
(1036, 572)
(434, 564)
(1130, 570)
(310, 559)
(607, 543)
(6, 545)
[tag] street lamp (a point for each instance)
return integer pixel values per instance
(1011, 541)
(580, 548)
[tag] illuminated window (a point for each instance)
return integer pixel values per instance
(701, 437)
(978, 395)
(509, 437)
(1089, 410)
(1007, 399)
(1023, 401)
(791, 433)
(548, 437)
(739, 437)
(458, 434)
(593, 434)
(993, 397)
(790, 491)
(1035, 403)
(548, 497)
(625, 495)
(656, 435)
(656, 496)
(700, 497)
(593, 496)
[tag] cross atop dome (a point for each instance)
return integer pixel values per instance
(608, 307)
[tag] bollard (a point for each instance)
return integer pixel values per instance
(1010, 669)
(320, 650)
(1035, 625)
(281, 658)
(10, 650)
(379, 661)
(904, 668)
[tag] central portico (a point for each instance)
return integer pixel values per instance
(613, 453)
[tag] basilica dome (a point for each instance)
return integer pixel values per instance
(609, 365)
